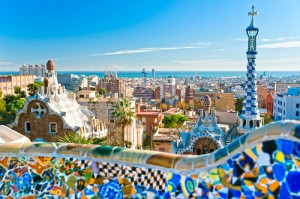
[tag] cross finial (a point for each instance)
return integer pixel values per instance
(252, 13)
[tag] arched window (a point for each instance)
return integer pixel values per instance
(27, 127)
(258, 123)
(52, 127)
(251, 123)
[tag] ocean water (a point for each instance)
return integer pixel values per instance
(178, 74)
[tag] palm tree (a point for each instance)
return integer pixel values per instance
(77, 138)
(123, 115)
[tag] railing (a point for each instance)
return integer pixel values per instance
(261, 163)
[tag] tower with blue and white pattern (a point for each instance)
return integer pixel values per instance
(250, 118)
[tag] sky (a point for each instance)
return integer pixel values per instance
(167, 35)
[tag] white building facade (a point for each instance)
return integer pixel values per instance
(287, 105)
(38, 71)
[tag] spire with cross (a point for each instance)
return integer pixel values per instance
(252, 32)
(252, 13)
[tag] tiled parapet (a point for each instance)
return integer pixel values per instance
(263, 163)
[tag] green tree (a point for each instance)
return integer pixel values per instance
(102, 91)
(174, 121)
(239, 104)
(15, 105)
(123, 115)
(268, 118)
(2, 105)
(7, 117)
(147, 143)
(32, 88)
(17, 90)
(9, 98)
(8, 107)
(19, 93)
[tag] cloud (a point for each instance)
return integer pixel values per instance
(286, 38)
(6, 63)
(265, 40)
(289, 44)
(156, 49)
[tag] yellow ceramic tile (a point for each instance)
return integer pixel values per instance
(161, 159)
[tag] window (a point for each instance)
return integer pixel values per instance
(52, 127)
(27, 127)
(297, 113)
(297, 105)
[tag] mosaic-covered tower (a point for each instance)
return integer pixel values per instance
(249, 118)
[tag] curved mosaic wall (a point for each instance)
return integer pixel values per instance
(262, 164)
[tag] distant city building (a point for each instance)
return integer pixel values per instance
(53, 111)
(38, 71)
(270, 104)
(153, 73)
(287, 105)
(144, 74)
(93, 81)
(162, 139)
(8, 83)
(180, 92)
(143, 93)
(86, 94)
(228, 118)
(114, 87)
(189, 94)
(149, 119)
(220, 101)
(66, 79)
(166, 90)
(283, 87)
(78, 83)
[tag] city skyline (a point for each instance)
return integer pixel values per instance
(168, 35)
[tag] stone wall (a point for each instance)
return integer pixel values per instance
(262, 164)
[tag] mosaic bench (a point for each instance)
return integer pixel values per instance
(262, 164)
